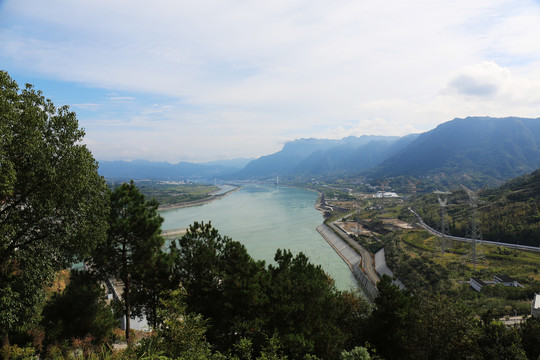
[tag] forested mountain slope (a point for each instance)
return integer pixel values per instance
(493, 149)
(316, 157)
(510, 213)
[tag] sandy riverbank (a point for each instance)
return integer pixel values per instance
(197, 202)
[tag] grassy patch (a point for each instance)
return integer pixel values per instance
(170, 194)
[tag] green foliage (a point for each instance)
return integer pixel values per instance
(408, 326)
(304, 307)
(133, 242)
(497, 341)
(53, 203)
(151, 283)
(358, 353)
(530, 335)
(388, 323)
(170, 194)
(79, 312)
(180, 336)
(223, 283)
(15, 352)
(508, 214)
(272, 350)
(440, 328)
(293, 299)
(419, 273)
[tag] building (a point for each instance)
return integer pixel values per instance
(506, 280)
(382, 194)
(535, 306)
(477, 284)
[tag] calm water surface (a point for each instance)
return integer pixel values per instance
(267, 218)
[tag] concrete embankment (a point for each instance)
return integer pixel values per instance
(383, 269)
(351, 258)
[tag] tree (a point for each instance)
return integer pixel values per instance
(133, 242)
(530, 337)
(441, 329)
(223, 283)
(181, 336)
(53, 203)
(358, 353)
(153, 284)
(305, 308)
(79, 311)
(496, 341)
(390, 319)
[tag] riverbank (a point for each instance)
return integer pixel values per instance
(197, 202)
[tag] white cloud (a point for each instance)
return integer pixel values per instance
(485, 79)
(240, 77)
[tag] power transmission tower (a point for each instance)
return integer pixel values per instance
(357, 218)
(474, 232)
(444, 227)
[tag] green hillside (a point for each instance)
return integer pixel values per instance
(509, 213)
(477, 150)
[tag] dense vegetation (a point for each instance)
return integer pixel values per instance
(171, 193)
(510, 213)
(487, 149)
(53, 203)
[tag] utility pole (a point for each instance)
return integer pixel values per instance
(444, 227)
(474, 232)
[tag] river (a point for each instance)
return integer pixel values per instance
(267, 218)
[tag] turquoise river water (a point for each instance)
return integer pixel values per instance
(267, 218)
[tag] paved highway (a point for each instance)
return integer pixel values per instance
(456, 238)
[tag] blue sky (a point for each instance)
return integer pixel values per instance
(175, 80)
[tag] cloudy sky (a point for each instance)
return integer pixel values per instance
(176, 80)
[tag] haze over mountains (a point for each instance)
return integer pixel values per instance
(144, 169)
(492, 149)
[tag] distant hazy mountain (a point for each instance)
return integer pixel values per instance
(311, 157)
(483, 149)
(143, 169)
(493, 148)
(239, 163)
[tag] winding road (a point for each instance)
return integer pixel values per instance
(456, 238)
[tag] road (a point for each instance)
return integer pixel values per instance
(456, 238)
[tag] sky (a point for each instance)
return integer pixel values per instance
(175, 80)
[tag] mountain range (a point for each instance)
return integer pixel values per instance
(499, 148)
(318, 157)
(490, 149)
(144, 169)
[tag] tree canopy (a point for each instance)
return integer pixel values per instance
(53, 203)
(132, 245)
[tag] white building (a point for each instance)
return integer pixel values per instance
(382, 194)
(535, 306)
(506, 280)
(477, 284)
